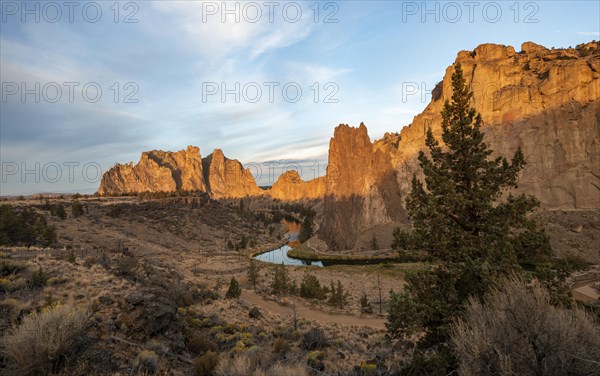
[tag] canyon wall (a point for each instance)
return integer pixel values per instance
(545, 101)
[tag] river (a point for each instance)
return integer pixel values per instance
(279, 255)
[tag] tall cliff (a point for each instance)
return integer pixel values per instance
(361, 187)
(163, 171)
(545, 101)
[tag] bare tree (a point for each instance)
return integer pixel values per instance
(379, 290)
(294, 317)
(517, 331)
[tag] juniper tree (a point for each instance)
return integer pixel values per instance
(59, 211)
(234, 290)
(253, 273)
(339, 297)
(310, 287)
(281, 281)
(465, 219)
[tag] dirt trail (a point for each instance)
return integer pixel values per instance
(584, 292)
(305, 312)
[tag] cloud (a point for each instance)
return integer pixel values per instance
(589, 33)
(310, 73)
(217, 30)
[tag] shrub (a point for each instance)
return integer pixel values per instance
(315, 359)
(146, 363)
(294, 369)
(72, 258)
(517, 331)
(40, 343)
(205, 365)
(311, 288)
(314, 339)
(38, 278)
(253, 362)
(59, 211)
(55, 281)
(76, 209)
(8, 267)
(365, 304)
(24, 226)
(281, 346)
(10, 309)
(5, 285)
(240, 365)
(199, 344)
(234, 291)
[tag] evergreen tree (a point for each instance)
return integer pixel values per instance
(59, 211)
(310, 287)
(461, 221)
(234, 290)
(339, 297)
(365, 304)
(281, 282)
(243, 242)
(76, 209)
(253, 273)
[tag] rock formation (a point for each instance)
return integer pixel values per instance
(227, 177)
(361, 188)
(545, 101)
(156, 171)
(290, 187)
(160, 171)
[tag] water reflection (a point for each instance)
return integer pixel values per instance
(279, 256)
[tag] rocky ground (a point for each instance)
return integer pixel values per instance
(151, 277)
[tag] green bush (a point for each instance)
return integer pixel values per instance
(23, 226)
(311, 288)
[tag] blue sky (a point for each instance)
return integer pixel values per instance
(161, 78)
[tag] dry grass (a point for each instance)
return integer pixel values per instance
(39, 344)
(248, 364)
(517, 331)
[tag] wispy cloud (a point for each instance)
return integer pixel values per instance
(589, 33)
(207, 34)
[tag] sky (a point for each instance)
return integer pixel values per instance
(89, 84)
